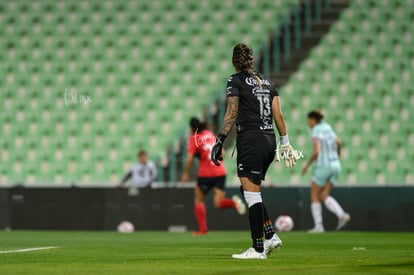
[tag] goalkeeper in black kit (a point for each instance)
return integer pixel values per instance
(253, 103)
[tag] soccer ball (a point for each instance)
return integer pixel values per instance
(284, 223)
(125, 227)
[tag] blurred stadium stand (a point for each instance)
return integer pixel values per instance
(148, 66)
(361, 77)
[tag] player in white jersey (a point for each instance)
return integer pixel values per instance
(326, 152)
(143, 173)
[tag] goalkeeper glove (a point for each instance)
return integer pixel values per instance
(286, 152)
(217, 150)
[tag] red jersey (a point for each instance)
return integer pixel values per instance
(200, 144)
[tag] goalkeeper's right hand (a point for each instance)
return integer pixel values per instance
(217, 150)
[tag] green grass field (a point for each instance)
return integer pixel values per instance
(181, 253)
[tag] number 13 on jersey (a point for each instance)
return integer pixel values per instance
(264, 102)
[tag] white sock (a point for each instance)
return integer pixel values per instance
(334, 207)
(316, 209)
(252, 198)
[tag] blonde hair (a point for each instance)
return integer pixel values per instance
(243, 61)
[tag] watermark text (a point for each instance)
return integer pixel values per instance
(73, 97)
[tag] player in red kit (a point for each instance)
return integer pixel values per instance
(210, 176)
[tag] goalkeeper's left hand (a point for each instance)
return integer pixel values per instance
(286, 152)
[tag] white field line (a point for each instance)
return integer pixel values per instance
(28, 249)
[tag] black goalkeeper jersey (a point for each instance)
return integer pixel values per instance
(255, 103)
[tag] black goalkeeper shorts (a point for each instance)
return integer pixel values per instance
(255, 153)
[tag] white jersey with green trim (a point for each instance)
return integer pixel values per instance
(328, 149)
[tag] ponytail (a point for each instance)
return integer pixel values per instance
(243, 61)
(258, 80)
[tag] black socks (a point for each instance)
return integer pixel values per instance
(267, 225)
(259, 222)
(256, 218)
